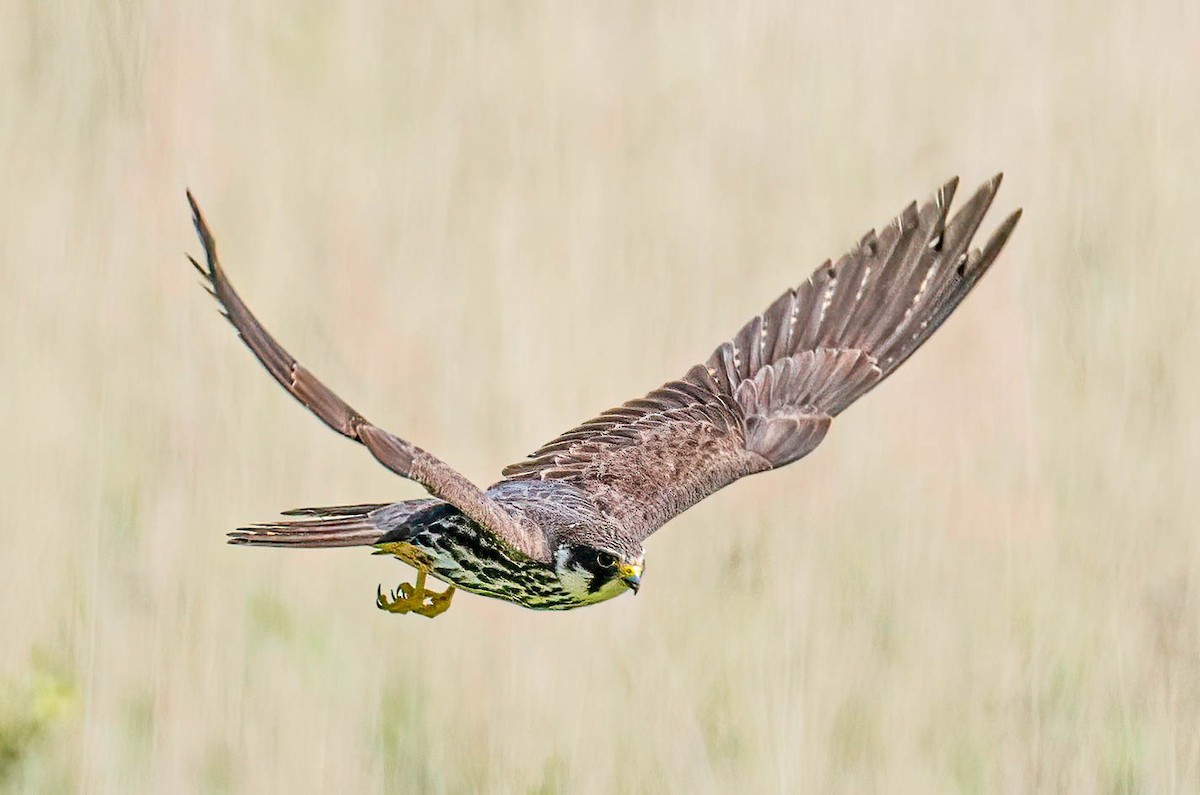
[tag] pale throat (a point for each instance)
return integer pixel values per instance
(577, 581)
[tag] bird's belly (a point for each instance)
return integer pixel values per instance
(526, 583)
(455, 552)
(535, 590)
(489, 571)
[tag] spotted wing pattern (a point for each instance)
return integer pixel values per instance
(766, 398)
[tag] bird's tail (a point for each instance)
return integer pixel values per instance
(336, 526)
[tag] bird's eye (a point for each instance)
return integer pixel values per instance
(607, 560)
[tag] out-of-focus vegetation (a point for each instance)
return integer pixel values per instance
(29, 710)
(482, 223)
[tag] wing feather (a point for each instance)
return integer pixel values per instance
(767, 396)
(398, 455)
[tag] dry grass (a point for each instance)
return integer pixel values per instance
(482, 223)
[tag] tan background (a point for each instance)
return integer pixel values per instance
(484, 223)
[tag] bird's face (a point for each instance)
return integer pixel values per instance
(593, 574)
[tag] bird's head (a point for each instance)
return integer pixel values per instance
(596, 573)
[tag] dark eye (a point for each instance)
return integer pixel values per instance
(606, 560)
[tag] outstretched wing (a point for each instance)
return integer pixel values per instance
(398, 455)
(767, 397)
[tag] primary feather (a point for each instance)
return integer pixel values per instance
(765, 398)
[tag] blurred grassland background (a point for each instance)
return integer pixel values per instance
(483, 223)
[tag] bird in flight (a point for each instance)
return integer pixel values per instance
(564, 528)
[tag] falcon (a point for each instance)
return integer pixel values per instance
(565, 527)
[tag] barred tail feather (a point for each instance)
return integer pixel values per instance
(333, 526)
(341, 526)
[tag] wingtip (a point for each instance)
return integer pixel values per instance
(945, 195)
(202, 231)
(1011, 221)
(199, 268)
(193, 204)
(996, 242)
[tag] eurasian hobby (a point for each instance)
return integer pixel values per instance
(564, 528)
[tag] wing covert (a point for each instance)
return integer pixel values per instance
(766, 398)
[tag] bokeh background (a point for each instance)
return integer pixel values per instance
(483, 223)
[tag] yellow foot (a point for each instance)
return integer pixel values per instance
(412, 599)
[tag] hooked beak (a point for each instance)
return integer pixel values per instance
(631, 575)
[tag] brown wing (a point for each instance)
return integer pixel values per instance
(403, 458)
(767, 397)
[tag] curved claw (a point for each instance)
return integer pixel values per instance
(407, 598)
(393, 602)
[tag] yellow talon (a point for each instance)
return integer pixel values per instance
(411, 598)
